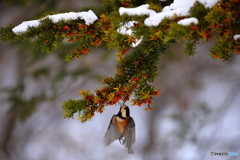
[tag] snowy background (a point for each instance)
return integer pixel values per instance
(197, 112)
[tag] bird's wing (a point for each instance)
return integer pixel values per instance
(112, 133)
(129, 135)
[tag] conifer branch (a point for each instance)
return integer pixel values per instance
(139, 37)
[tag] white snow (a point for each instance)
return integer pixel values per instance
(236, 37)
(137, 42)
(89, 18)
(141, 10)
(24, 26)
(208, 3)
(188, 21)
(178, 7)
(126, 29)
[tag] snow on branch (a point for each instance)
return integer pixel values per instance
(188, 21)
(236, 37)
(178, 7)
(141, 10)
(24, 26)
(89, 18)
(125, 29)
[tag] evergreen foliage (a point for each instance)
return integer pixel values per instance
(137, 66)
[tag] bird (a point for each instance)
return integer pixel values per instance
(121, 127)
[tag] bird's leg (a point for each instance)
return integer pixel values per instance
(121, 140)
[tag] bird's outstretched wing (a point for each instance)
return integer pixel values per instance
(112, 133)
(129, 135)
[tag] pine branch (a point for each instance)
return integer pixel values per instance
(152, 26)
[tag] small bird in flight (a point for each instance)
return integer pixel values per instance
(121, 127)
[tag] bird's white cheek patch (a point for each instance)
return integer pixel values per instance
(123, 111)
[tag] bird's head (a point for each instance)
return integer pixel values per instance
(124, 112)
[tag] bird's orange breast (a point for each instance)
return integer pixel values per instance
(120, 124)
